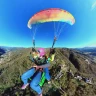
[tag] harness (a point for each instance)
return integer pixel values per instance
(39, 61)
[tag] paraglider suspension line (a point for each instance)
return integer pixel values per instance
(61, 30)
(33, 43)
(55, 38)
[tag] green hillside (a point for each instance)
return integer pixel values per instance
(63, 83)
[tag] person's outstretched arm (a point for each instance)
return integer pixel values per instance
(45, 65)
(42, 66)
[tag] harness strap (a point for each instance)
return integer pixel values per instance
(42, 79)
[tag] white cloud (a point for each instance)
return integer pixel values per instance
(93, 6)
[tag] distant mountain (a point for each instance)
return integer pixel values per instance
(10, 48)
(90, 51)
(86, 49)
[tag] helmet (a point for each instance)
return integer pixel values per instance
(41, 51)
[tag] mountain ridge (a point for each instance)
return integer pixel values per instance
(68, 59)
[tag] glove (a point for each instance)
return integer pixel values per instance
(52, 51)
(33, 50)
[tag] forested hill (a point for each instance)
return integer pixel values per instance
(68, 64)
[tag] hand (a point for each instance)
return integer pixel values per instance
(37, 67)
(52, 51)
(33, 50)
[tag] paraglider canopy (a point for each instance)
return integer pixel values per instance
(52, 14)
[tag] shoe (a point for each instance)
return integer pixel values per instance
(24, 86)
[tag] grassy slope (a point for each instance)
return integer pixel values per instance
(19, 63)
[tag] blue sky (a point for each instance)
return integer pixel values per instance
(14, 16)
